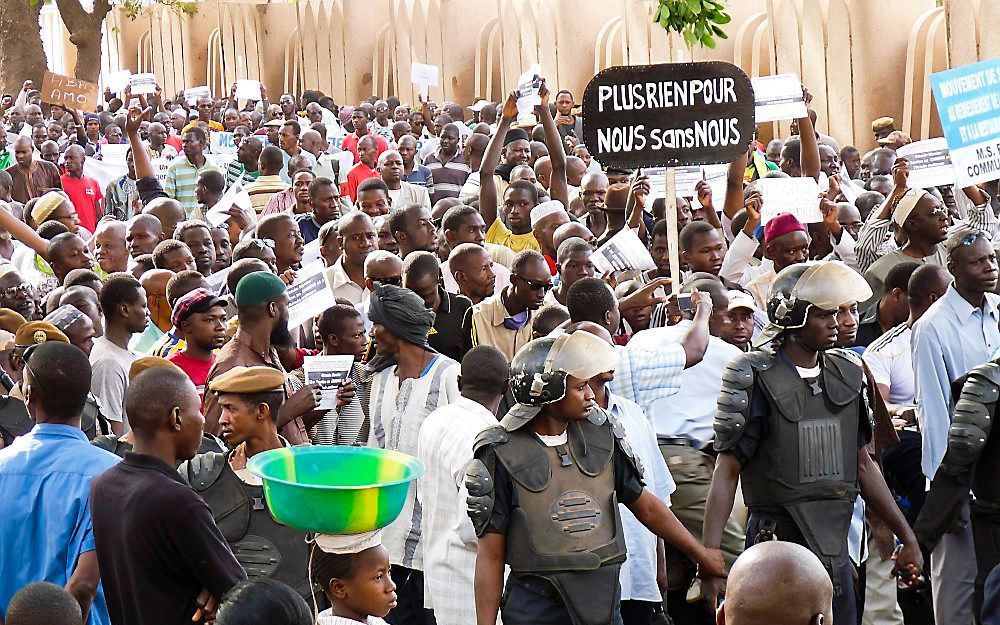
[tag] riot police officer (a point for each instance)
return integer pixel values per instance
(249, 398)
(793, 424)
(544, 490)
(972, 460)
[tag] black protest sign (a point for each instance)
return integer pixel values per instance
(668, 115)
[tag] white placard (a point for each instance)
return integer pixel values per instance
(930, 163)
(528, 85)
(421, 74)
(329, 372)
(686, 179)
(143, 84)
(798, 196)
(221, 142)
(778, 97)
(114, 153)
(717, 177)
(248, 90)
(217, 280)
(310, 252)
(103, 173)
(235, 196)
(309, 295)
(622, 252)
(657, 183)
(117, 81)
(191, 95)
(160, 167)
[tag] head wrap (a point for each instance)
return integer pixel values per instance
(401, 312)
(906, 205)
(346, 544)
(46, 205)
(64, 316)
(781, 225)
(545, 209)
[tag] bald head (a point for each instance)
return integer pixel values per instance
(763, 579)
(381, 264)
(168, 211)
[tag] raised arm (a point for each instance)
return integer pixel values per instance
(558, 187)
(23, 232)
(809, 148)
(488, 198)
(734, 187)
(143, 166)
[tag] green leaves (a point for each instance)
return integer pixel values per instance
(697, 21)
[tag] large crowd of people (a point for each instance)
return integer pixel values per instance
(806, 406)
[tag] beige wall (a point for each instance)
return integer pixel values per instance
(855, 67)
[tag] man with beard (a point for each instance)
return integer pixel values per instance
(16, 293)
(197, 236)
(412, 228)
(262, 309)
(32, 178)
(201, 317)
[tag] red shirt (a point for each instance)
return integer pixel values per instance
(175, 141)
(358, 173)
(350, 144)
(87, 199)
(195, 369)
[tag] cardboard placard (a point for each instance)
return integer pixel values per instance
(968, 103)
(798, 196)
(70, 93)
(668, 115)
(929, 162)
(778, 97)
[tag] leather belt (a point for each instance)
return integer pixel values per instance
(681, 441)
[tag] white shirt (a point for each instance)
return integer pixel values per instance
(638, 574)
(450, 544)
(690, 413)
(342, 285)
(890, 360)
(109, 379)
(326, 617)
(502, 278)
(397, 412)
(410, 194)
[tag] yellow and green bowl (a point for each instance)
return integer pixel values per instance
(335, 490)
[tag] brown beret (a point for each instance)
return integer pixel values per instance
(149, 362)
(37, 332)
(11, 320)
(248, 380)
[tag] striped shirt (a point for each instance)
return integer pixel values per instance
(182, 177)
(237, 172)
(262, 189)
(446, 178)
(397, 411)
(167, 345)
(348, 427)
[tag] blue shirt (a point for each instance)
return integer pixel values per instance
(948, 341)
(45, 497)
(420, 176)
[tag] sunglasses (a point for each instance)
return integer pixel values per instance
(394, 281)
(13, 291)
(261, 243)
(533, 285)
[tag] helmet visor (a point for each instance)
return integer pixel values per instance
(582, 355)
(829, 285)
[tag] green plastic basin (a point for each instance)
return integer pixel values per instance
(334, 489)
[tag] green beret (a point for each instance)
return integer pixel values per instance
(258, 287)
(248, 380)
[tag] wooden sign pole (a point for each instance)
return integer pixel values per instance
(672, 243)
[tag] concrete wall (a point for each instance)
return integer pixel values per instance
(855, 66)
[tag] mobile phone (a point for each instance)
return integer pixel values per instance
(684, 302)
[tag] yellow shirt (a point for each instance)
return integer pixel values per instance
(501, 235)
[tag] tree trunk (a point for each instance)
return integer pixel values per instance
(21, 54)
(85, 33)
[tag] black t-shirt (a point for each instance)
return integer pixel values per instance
(628, 487)
(157, 544)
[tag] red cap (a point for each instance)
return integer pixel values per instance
(781, 224)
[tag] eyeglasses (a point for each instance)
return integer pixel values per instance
(533, 285)
(13, 291)
(393, 280)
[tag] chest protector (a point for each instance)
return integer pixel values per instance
(566, 528)
(264, 547)
(807, 462)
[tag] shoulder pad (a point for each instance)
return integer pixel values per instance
(982, 385)
(490, 436)
(479, 483)
(969, 429)
(619, 433)
(107, 442)
(848, 355)
(843, 375)
(203, 470)
(739, 373)
(728, 428)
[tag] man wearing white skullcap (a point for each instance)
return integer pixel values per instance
(545, 218)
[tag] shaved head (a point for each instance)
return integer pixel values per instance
(763, 579)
